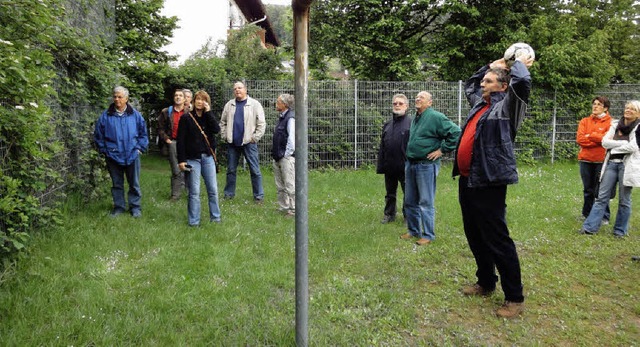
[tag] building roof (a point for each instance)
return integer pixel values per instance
(253, 10)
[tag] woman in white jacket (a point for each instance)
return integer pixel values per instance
(621, 166)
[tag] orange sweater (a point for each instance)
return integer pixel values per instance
(590, 132)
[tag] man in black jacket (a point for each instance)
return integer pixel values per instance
(392, 154)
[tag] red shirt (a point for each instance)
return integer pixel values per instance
(465, 150)
(176, 120)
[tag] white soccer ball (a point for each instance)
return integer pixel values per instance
(517, 50)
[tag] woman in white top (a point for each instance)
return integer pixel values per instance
(622, 167)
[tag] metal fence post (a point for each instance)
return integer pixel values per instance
(459, 102)
(301, 77)
(355, 124)
(553, 125)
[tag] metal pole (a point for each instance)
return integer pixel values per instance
(301, 77)
(459, 102)
(355, 124)
(553, 132)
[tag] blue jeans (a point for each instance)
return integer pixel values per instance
(420, 192)
(205, 167)
(590, 175)
(118, 173)
(613, 174)
(250, 151)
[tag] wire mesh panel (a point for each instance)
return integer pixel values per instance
(331, 123)
(346, 117)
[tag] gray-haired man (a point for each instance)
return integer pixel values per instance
(121, 136)
(393, 154)
(282, 153)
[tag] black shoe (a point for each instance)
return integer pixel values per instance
(116, 212)
(635, 258)
(387, 219)
(585, 232)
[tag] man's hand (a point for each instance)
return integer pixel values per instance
(434, 155)
(168, 141)
(500, 63)
(525, 59)
(182, 166)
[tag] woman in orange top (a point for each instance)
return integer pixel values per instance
(591, 155)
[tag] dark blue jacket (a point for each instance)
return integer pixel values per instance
(393, 145)
(121, 137)
(281, 135)
(493, 161)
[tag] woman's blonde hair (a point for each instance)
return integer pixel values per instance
(635, 104)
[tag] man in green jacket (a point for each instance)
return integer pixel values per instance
(431, 135)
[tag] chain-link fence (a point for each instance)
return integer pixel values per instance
(346, 117)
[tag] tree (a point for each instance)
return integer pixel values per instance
(580, 45)
(477, 32)
(204, 69)
(246, 58)
(374, 39)
(141, 32)
(281, 18)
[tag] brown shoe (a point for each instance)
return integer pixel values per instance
(406, 236)
(510, 309)
(476, 290)
(423, 242)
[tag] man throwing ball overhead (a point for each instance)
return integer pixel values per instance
(485, 161)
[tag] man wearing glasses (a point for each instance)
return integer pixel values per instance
(392, 155)
(486, 163)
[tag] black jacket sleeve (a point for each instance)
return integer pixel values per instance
(181, 145)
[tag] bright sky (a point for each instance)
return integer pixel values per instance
(197, 21)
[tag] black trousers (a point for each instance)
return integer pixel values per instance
(391, 185)
(485, 225)
(590, 175)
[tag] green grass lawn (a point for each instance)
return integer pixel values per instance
(154, 281)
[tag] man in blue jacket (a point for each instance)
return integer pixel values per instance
(121, 136)
(486, 162)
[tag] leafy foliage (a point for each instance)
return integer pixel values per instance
(25, 80)
(377, 40)
(281, 18)
(141, 33)
(72, 46)
(201, 70)
(246, 57)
